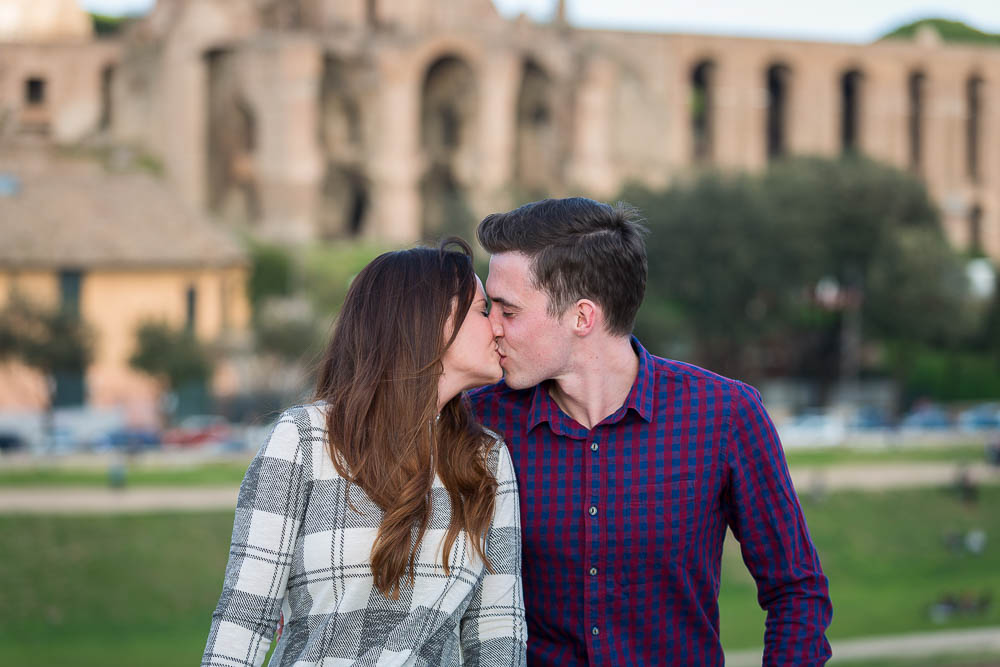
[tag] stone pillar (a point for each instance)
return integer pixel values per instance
(395, 163)
(590, 167)
(285, 80)
(499, 82)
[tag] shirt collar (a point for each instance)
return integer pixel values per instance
(639, 400)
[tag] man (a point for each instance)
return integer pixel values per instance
(631, 466)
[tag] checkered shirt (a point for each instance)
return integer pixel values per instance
(624, 522)
(298, 549)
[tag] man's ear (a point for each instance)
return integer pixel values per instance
(586, 315)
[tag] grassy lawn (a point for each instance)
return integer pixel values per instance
(822, 456)
(887, 561)
(205, 474)
(222, 473)
(128, 590)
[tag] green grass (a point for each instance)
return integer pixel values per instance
(822, 456)
(145, 586)
(220, 474)
(971, 660)
(206, 474)
(887, 562)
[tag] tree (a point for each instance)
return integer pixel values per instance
(722, 271)
(177, 359)
(54, 341)
(792, 270)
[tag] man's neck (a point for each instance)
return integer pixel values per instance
(599, 382)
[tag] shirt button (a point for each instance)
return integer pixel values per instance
(593, 571)
(593, 446)
(593, 511)
(594, 631)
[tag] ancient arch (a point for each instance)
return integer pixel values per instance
(777, 79)
(851, 101)
(231, 142)
(537, 160)
(973, 123)
(916, 90)
(448, 112)
(344, 204)
(702, 109)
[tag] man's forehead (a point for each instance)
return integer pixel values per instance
(510, 273)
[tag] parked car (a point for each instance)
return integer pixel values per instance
(11, 441)
(869, 418)
(129, 438)
(982, 417)
(199, 430)
(927, 417)
(813, 428)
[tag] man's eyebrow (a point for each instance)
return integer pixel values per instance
(503, 302)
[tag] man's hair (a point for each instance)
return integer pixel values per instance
(579, 249)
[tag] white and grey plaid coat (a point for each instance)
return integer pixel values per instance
(298, 549)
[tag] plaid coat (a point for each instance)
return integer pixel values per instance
(298, 549)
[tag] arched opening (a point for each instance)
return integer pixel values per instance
(973, 120)
(850, 110)
(344, 203)
(232, 140)
(778, 83)
(107, 84)
(703, 111)
(976, 229)
(447, 115)
(537, 151)
(916, 89)
(445, 210)
(340, 112)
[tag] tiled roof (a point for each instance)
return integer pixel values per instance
(76, 214)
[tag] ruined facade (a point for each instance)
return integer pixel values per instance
(396, 120)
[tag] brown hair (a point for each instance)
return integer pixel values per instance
(379, 379)
(579, 249)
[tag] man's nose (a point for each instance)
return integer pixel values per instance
(496, 322)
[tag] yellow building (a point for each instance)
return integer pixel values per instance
(119, 249)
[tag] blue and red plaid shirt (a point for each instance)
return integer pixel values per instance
(624, 522)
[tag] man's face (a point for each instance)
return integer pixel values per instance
(534, 346)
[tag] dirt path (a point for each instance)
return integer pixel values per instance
(919, 645)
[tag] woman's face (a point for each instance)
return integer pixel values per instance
(472, 360)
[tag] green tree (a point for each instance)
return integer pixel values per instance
(54, 341)
(177, 359)
(723, 273)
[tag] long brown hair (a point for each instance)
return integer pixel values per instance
(379, 379)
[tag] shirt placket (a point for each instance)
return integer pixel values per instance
(596, 517)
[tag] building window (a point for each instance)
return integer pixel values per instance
(69, 291)
(915, 89)
(702, 110)
(850, 111)
(34, 91)
(778, 80)
(192, 308)
(973, 95)
(976, 229)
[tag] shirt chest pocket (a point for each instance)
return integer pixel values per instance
(665, 513)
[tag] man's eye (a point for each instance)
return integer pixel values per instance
(506, 314)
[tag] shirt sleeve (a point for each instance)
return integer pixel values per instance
(493, 629)
(269, 512)
(764, 514)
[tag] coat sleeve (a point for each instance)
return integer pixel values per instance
(765, 516)
(269, 512)
(493, 628)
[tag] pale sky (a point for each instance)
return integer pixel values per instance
(842, 21)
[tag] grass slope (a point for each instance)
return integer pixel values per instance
(128, 590)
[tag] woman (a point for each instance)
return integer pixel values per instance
(381, 521)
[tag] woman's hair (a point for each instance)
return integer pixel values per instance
(379, 378)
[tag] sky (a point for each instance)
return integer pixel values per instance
(856, 21)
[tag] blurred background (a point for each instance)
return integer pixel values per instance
(188, 186)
